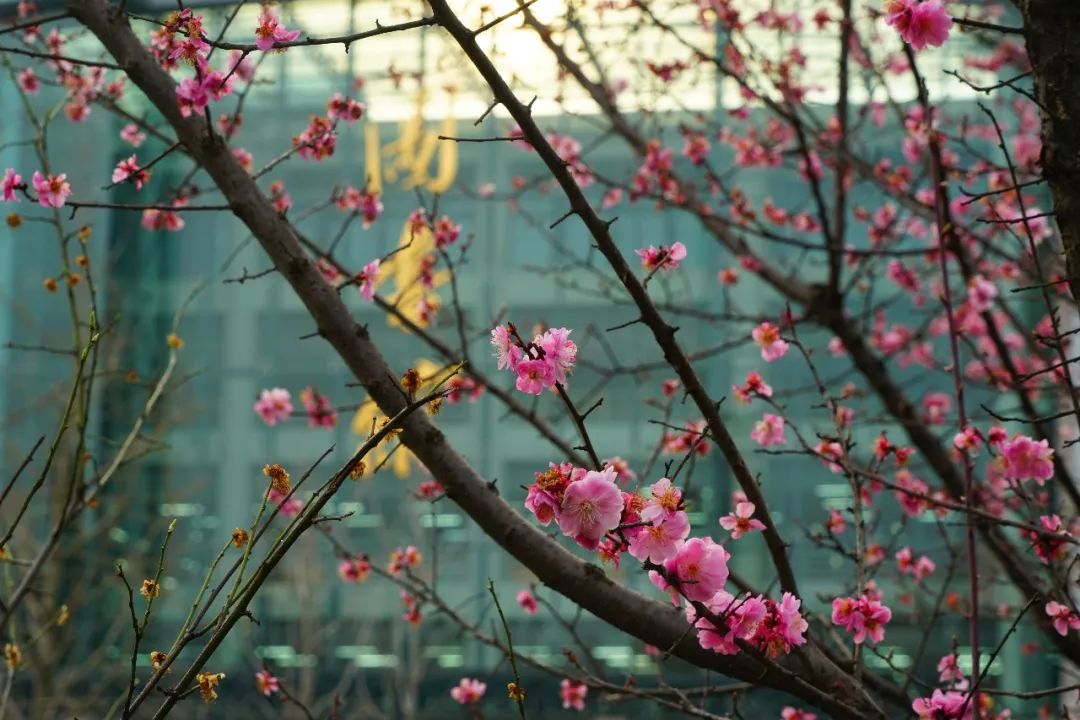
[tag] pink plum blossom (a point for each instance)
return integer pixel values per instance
(468, 691)
(1063, 618)
(274, 406)
(769, 431)
(591, 507)
(543, 363)
(320, 411)
(572, 693)
(52, 190)
(270, 31)
(623, 472)
(929, 25)
(288, 508)
(29, 82)
(12, 180)
(944, 706)
(128, 170)
(741, 521)
(665, 257)
(527, 601)
(753, 387)
(371, 208)
(660, 540)
(340, 107)
(354, 569)
(446, 232)
(863, 617)
(835, 524)
(665, 499)
(560, 352)
(267, 683)
(368, 277)
(542, 504)
(318, 142)
(701, 568)
(533, 376)
(920, 24)
(507, 353)
(949, 668)
(767, 337)
(981, 293)
(908, 564)
(742, 618)
(1027, 459)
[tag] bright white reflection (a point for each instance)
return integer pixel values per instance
(423, 68)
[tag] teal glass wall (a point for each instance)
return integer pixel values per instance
(241, 338)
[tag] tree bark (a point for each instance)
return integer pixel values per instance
(1052, 29)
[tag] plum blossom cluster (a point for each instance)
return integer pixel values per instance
(82, 85)
(412, 614)
(1025, 459)
(446, 232)
(541, 364)
(693, 439)
(654, 177)
(366, 203)
(460, 387)
(955, 701)
(697, 571)
(585, 504)
(725, 623)
(864, 617)
(180, 38)
(318, 141)
(274, 405)
(156, 219)
(589, 508)
(194, 94)
(320, 412)
(755, 386)
(944, 705)
(52, 190)
(354, 569)
(908, 564)
(403, 557)
(1051, 545)
(344, 108)
(569, 151)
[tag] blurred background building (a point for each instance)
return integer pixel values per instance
(241, 338)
